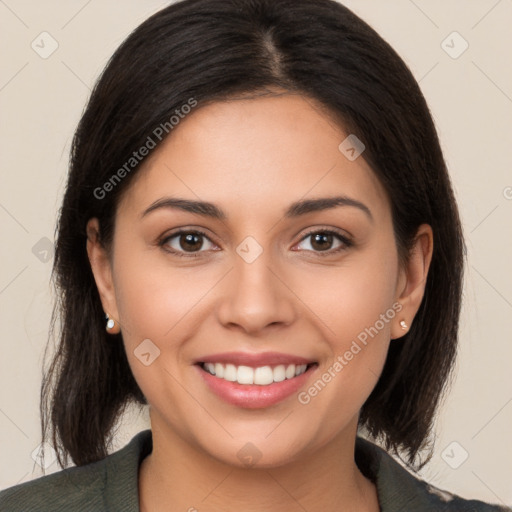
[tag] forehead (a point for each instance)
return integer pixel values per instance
(255, 154)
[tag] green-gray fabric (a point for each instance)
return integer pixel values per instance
(111, 485)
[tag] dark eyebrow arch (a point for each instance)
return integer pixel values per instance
(187, 205)
(294, 210)
(325, 203)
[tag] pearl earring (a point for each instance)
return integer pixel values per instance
(112, 328)
(403, 325)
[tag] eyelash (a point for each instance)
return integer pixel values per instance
(342, 238)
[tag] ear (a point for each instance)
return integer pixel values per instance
(412, 280)
(101, 269)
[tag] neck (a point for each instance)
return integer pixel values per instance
(178, 477)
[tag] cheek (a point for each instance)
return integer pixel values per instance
(154, 299)
(167, 306)
(355, 305)
(155, 303)
(352, 297)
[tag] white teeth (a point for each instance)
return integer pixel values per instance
(279, 373)
(219, 370)
(300, 369)
(262, 375)
(245, 375)
(230, 372)
(290, 371)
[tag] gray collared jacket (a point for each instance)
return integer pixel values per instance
(112, 485)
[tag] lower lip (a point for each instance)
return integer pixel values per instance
(253, 396)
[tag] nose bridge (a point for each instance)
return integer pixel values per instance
(256, 296)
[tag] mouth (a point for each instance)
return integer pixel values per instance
(260, 376)
(255, 382)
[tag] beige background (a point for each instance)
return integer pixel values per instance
(471, 100)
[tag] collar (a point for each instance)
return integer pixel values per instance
(397, 489)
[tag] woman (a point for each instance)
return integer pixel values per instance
(259, 213)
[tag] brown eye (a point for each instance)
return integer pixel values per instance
(322, 241)
(190, 241)
(184, 242)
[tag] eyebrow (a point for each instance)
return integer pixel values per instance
(296, 209)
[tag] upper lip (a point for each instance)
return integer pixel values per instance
(254, 360)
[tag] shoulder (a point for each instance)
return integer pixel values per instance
(109, 484)
(70, 489)
(399, 490)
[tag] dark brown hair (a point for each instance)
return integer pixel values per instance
(210, 50)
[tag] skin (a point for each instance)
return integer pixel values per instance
(253, 158)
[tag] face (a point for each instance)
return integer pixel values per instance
(264, 283)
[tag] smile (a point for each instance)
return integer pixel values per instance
(255, 387)
(261, 375)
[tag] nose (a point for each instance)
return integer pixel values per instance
(256, 297)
